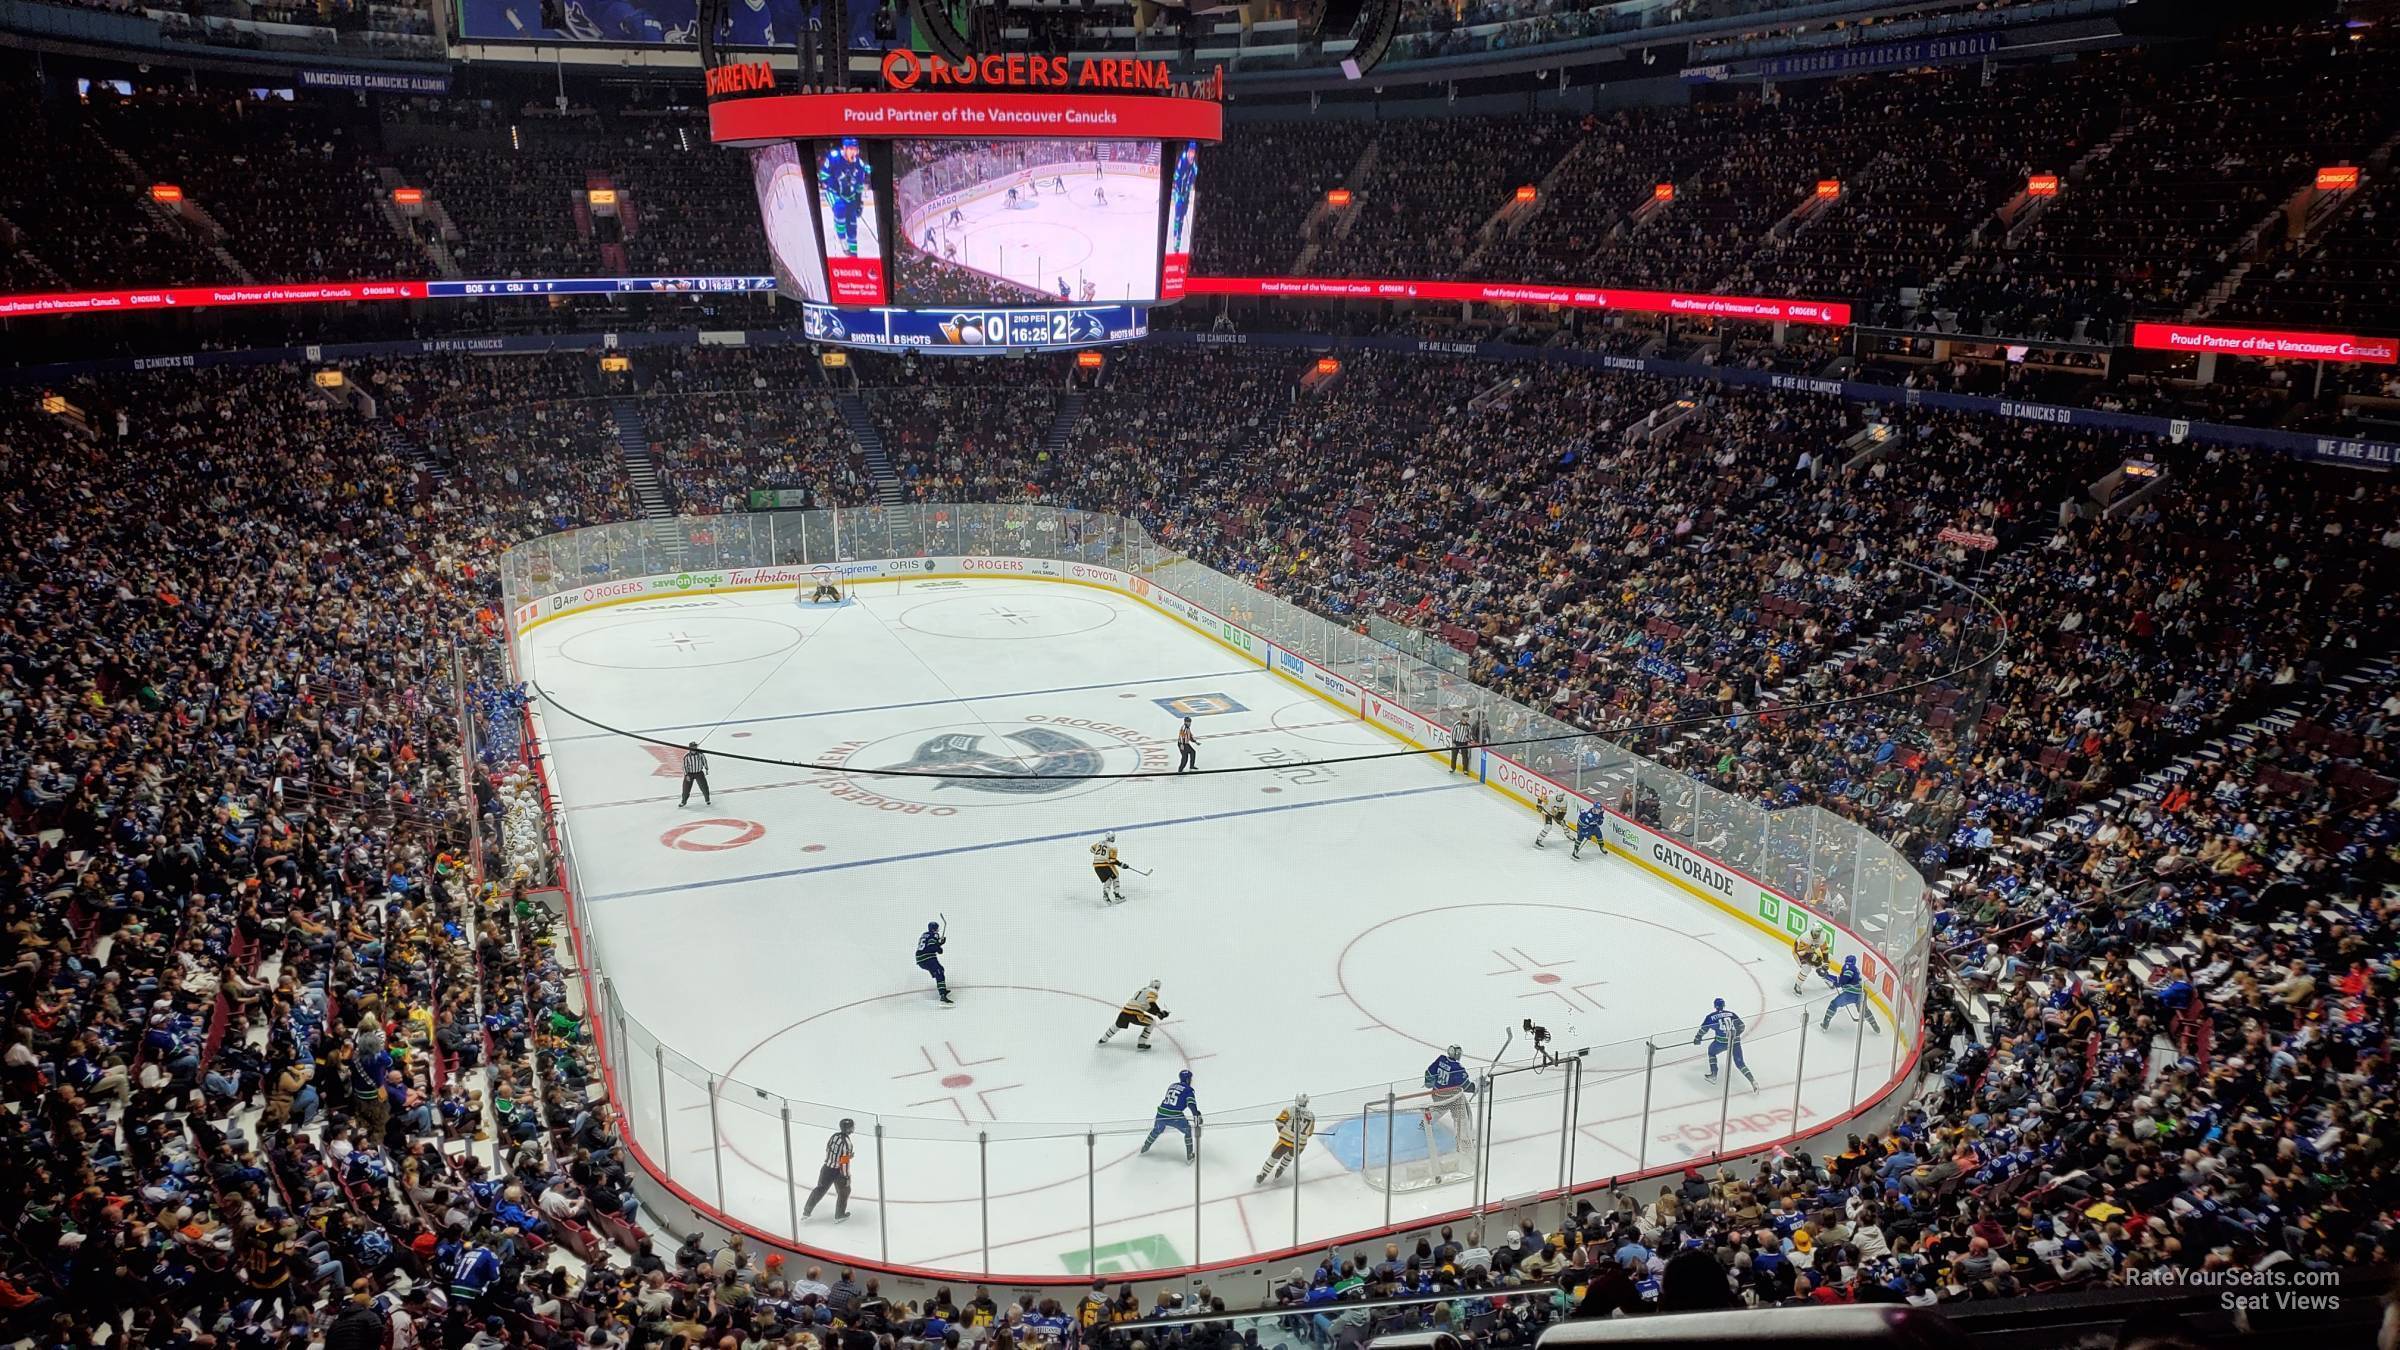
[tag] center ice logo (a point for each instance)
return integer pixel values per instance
(966, 759)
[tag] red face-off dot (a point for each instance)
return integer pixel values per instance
(958, 1080)
(1545, 978)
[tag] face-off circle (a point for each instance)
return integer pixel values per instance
(1045, 613)
(714, 835)
(941, 1078)
(1567, 967)
(679, 641)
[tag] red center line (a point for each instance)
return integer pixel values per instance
(1035, 759)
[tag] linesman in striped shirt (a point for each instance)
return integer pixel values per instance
(695, 774)
(834, 1174)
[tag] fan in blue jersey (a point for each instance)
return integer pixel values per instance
(1587, 827)
(1179, 200)
(1723, 1029)
(929, 960)
(1850, 991)
(1173, 1109)
(842, 180)
(1450, 1084)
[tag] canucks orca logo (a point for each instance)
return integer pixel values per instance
(964, 761)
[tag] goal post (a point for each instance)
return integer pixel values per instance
(1410, 1141)
(820, 586)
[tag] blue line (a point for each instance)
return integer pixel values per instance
(1013, 843)
(920, 703)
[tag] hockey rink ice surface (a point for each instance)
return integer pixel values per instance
(1318, 928)
(1115, 247)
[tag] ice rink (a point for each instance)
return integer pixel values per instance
(1318, 928)
(1113, 247)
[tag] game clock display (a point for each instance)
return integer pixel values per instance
(971, 331)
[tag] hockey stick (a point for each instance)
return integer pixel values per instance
(1139, 872)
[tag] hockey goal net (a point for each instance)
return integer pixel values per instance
(1413, 1140)
(819, 588)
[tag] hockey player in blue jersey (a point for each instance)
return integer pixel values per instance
(1850, 991)
(842, 180)
(751, 23)
(1723, 1029)
(929, 960)
(1450, 1084)
(1587, 826)
(1179, 200)
(1173, 1108)
(623, 21)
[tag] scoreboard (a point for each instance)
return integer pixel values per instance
(979, 207)
(970, 332)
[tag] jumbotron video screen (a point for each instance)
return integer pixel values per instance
(1001, 222)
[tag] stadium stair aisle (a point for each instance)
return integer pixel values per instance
(633, 446)
(888, 489)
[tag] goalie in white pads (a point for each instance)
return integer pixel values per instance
(1142, 1011)
(1293, 1129)
(1553, 806)
(1452, 1085)
(1105, 865)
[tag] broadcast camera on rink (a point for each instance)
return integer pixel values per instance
(959, 29)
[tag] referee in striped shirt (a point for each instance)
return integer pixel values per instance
(834, 1175)
(695, 774)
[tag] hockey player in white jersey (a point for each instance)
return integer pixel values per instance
(1142, 1011)
(1452, 1085)
(1106, 865)
(1553, 806)
(1293, 1129)
(1810, 956)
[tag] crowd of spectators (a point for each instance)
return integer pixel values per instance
(963, 430)
(2205, 154)
(276, 1059)
(1258, 186)
(79, 219)
(2172, 160)
(279, 1060)
(2344, 275)
(1436, 182)
(723, 425)
(290, 185)
(693, 208)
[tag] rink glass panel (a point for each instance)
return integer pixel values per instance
(1610, 1114)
